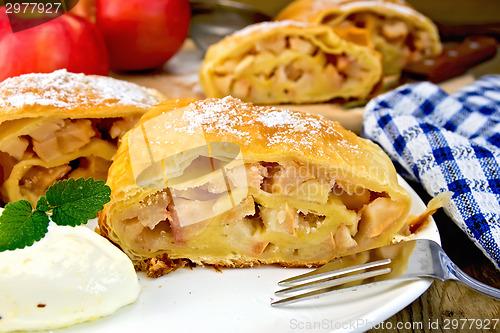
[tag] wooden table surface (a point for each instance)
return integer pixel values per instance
(445, 304)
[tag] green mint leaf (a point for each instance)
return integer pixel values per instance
(20, 226)
(74, 202)
(42, 205)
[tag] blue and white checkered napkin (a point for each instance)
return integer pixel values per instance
(447, 143)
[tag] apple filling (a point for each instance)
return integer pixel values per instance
(288, 68)
(399, 43)
(292, 212)
(36, 154)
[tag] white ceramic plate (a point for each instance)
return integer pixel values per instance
(238, 300)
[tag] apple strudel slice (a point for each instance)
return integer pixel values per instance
(60, 125)
(228, 183)
(291, 62)
(401, 34)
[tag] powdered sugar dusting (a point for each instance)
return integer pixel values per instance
(291, 122)
(268, 26)
(276, 126)
(59, 89)
(216, 116)
(279, 117)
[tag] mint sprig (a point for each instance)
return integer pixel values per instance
(20, 226)
(72, 202)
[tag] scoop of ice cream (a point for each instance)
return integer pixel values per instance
(70, 276)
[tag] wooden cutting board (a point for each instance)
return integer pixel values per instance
(179, 78)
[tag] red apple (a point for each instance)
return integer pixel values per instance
(142, 35)
(65, 42)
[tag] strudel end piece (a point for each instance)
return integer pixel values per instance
(59, 125)
(400, 33)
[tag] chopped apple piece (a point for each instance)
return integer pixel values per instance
(121, 126)
(301, 45)
(70, 137)
(378, 215)
(275, 44)
(395, 30)
(343, 238)
(16, 147)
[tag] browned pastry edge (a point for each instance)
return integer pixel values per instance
(163, 264)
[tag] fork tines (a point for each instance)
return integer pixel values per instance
(327, 280)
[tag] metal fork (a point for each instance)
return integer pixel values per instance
(409, 260)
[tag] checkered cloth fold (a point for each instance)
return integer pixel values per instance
(447, 143)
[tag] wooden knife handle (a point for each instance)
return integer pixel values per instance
(455, 59)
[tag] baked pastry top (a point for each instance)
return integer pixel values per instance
(400, 33)
(59, 125)
(228, 183)
(291, 62)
